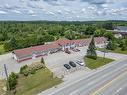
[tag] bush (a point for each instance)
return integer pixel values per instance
(12, 80)
(22, 69)
(26, 72)
(33, 71)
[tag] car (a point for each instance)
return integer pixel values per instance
(72, 64)
(80, 62)
(67, 51)
(67, 66)
(76, 50)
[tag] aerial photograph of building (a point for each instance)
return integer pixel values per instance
(63, 47)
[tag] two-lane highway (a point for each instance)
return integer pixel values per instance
(90, 85)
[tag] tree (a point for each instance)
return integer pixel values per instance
(111, 45)
(91, 51)
(99, 32)
(124, 45)
(90, 30)
(109, 35)
(13, 43)
(12, 80)
(108, 25)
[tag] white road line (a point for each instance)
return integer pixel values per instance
(119, 90)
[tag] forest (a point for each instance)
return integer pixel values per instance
(22, 34)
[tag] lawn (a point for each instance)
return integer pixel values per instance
(93, 64)
(36, 83)
(2, 50)
(2, 85)
(118, 50)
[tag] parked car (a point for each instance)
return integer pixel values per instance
(67, 51)
(67, 66)
(76, 50)
(72, 63)
(80, 62)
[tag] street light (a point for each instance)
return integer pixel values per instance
(6, 74)
(104, 49)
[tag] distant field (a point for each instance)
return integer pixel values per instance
(36, 83)
(118, 50)
(93, 64)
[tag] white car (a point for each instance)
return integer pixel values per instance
(80, 62)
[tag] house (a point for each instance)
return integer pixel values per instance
(58, 45)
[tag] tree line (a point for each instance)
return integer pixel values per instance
(16, 35)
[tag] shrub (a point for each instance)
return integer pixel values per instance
(12, 80)
(33, 71)
(23, 68)
(26, 72)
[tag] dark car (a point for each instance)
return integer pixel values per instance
(67, 66)
(72, 64)
(76, 50)
(67, 51)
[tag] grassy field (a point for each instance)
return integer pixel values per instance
(118, 50)
(93, 64)
(36, 83)
(2, 85)
(2, 51)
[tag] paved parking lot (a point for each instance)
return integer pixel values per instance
(54, 62)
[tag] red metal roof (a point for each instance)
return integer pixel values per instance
(30, 50)
(63, 41)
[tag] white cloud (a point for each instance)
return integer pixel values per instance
(3, 12)
(17, 12)
(65, 9)
(31, 12)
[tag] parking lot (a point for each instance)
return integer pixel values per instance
(56, 61)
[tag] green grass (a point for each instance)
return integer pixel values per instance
(118, 50)
(36, 83)
(2, 85)
(93, 64)
(2, 50)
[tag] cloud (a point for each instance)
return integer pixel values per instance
(17, 12)
(3, 12)
(31, 12)
(53, 2)
(64, 9)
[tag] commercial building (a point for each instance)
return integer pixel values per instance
(58, 45)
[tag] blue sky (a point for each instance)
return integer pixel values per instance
(68, 10)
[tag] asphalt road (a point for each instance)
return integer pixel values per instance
(95, 84)
(117, 86)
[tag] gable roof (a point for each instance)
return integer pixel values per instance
(34, 49)
(63, 41)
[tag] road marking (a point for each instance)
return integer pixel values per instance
(119, 90)
(108, 84)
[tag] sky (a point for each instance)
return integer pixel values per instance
(63, 10)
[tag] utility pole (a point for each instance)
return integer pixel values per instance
(104, 49)
(6, 74)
